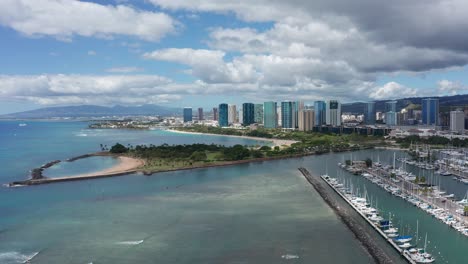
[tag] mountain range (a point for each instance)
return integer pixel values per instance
(86, 111)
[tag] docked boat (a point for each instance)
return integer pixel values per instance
(403, 239)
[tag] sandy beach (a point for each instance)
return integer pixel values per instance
(276, 142)
(125, 164)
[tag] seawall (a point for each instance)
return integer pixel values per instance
(369, 238)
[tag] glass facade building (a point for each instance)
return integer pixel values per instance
(391, 106)
(430, 111)
(187, 114)
(333, 113)
(248, 114)
(287, 112)
(370, 113)
(270, 116)
(320, 113)
(223, 115)
(258, 113)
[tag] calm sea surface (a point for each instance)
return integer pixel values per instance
(252, 213)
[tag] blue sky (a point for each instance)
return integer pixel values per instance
(203, 52)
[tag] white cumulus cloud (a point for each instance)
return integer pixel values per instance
(64, 19)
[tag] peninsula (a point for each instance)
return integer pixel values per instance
(150, 159)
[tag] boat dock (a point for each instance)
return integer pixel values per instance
(409, 188)
(356, 227)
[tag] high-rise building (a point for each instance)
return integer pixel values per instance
(232, 114)
(223, 115)
(278, 115)
(297, 106)
(333, 113)
(215, 113)
(248, 114)
(430, 111)
(306, 120)
(294, 114)
(270, 117)
(390, 106)
(370, 113)
(457, 121)
(287, 114)
(187, 114)
(320, 109)
(240, 117)
(258, 109)
(391, 118)
(200, 113)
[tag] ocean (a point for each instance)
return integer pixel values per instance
(252, 213)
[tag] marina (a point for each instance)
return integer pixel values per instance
(383, 226)
(434, 202)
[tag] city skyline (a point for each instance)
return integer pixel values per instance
(176, 53)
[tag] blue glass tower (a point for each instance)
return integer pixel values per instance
(430, 111)
(248, 114)
(187, 114)
(270, 117)
(223, 115)
(370, 113)
(320, 112)
(287, 114)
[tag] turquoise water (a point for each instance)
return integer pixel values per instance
(251, 213)
(81, 166)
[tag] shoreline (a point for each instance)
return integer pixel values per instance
(113, 172)
(275, 141)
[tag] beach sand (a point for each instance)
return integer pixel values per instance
(125, 164)
(276, 142)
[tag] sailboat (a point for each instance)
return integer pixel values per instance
(464, 201)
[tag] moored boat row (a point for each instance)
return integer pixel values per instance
(402, 243)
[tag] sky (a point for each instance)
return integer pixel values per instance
(201, 53)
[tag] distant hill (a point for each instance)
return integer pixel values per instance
(93, 111)
(445, 102)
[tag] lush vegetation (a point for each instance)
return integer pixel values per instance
(166, 157)
(435, 140)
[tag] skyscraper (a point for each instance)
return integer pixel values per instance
(457, 121)
(258, 108)
(370, 113)
(248, 114)
(297, 106)
(215, 113)
(200, 113)
(270, 117)
(306, 120)
(391, 118)
(333, 113)
(430, 111)
(320, 113)
(287, 114)
(223, 115)
(232, 114)
(278, 115)
(187, 114)
(390, 106)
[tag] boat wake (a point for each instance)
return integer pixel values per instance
(14, 257)
(130, 243)
(289, 256)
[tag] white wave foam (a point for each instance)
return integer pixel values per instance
(81, 135)
(289, 256)
(14, 257)
(136, 242)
